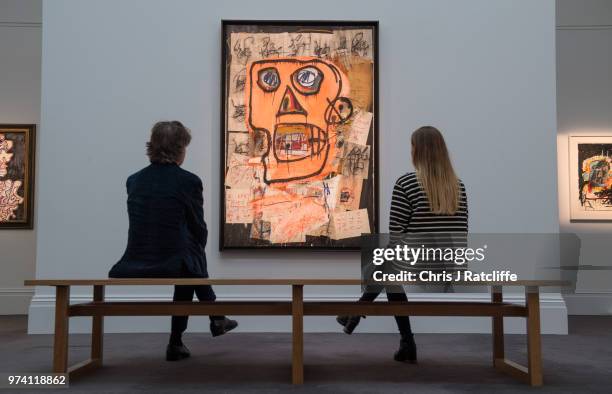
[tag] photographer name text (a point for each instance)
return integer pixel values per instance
(444, 276)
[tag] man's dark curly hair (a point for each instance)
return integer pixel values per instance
(168, 142)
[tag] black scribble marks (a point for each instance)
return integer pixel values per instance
(322, 51)
(606, 196)
(269, 49)
(239, 111)
(359, 46)
(239, 80)
(261, 229)
(345, 195)
(259, 142)
(355, 162)
(299, 45)
(241, 148)
(342, 44)
(342, 51)
(242, 49)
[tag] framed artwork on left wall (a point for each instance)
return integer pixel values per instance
(590, 160)
(17, 151)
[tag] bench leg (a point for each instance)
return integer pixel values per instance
(532, 374)
(297, 310)
(60, 339)
(497, 325)
(534, 344)
(97, 329)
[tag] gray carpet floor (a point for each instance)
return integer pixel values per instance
(334, 363)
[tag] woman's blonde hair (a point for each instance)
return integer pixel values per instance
(435, 171)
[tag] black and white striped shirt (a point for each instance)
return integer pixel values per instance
(411, 213)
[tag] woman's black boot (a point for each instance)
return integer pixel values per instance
(407, 351)
(349, 322)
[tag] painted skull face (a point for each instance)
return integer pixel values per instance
(293, 107)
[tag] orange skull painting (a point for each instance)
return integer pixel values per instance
(295, 104)
(299, 133)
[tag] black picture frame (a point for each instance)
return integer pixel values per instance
(374, 216)
(26, 190)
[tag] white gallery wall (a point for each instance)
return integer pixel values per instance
(20, 46)
(584, 107)
(481, 71)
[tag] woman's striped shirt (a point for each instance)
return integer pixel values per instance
(411, 213)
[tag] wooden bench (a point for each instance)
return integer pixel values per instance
(297, 308)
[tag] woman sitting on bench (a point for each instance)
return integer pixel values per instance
(167, 233)
(430, 202)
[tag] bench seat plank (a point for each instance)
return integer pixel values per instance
(260, 282)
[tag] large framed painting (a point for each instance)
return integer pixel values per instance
(299, 120)
(17, 147)
(590, 177)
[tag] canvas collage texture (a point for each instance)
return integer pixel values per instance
(299, 136)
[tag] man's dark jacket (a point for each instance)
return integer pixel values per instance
(167, 232)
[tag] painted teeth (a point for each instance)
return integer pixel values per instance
(295, 144)
(298, 141)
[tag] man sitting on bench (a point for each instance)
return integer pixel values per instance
(167, 233)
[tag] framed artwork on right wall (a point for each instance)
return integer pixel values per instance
(590, 162)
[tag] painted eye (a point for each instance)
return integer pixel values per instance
(268, 79)
(308, 79)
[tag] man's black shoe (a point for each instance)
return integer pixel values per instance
(220, 327)
(177, 352)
